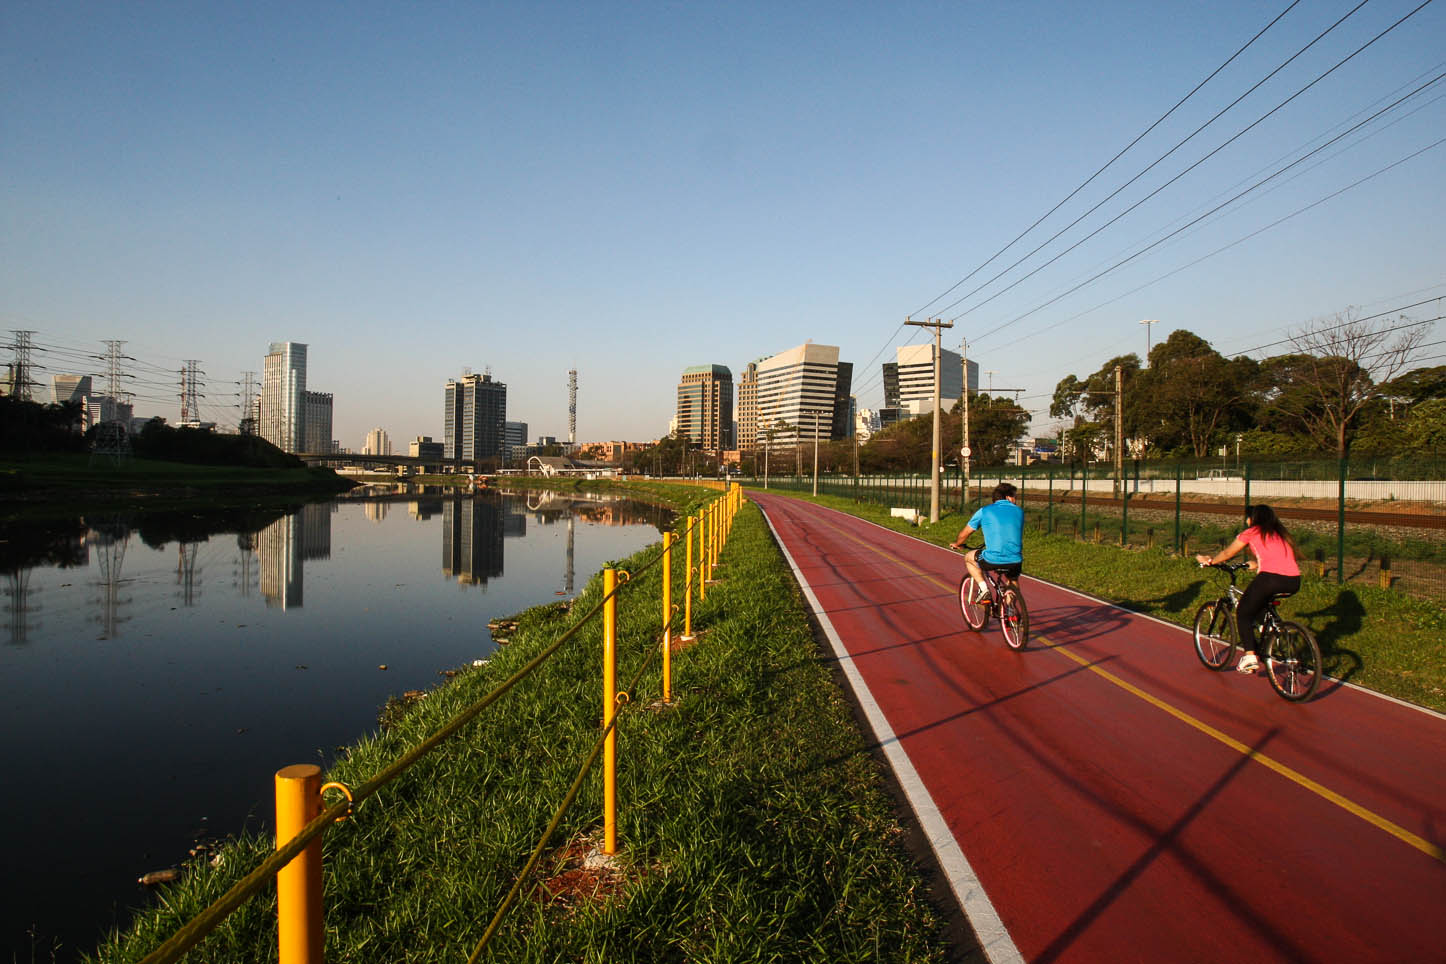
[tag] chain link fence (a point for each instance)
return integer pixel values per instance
(1373, 520)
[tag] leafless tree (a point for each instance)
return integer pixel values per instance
(1338, 362)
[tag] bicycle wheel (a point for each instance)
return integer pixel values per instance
(1014, 619)
(1292, 661)
(1215, 634)
(975, 614)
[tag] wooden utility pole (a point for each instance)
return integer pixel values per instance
(938, 325)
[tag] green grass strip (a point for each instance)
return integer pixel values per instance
(753, 822)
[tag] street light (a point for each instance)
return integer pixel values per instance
(1147, 322)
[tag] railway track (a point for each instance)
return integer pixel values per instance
(1402, 520)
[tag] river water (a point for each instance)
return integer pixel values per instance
(159, 669)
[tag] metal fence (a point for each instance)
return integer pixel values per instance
(1372, 519)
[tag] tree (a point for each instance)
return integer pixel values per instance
(1332, 375)
(1190, 395)
(995, 425)
(1093, 398)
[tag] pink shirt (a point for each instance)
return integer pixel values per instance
(1274, 553)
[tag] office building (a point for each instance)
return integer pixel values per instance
(283, 387)
(705, 407)
(422, 447)
(913, 379)
(475, 418)
(377, 443)
(69, 388)
(316, 423)
(803, 394)
(514, 442)
(746, 433)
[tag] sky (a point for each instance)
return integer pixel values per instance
(630, 189)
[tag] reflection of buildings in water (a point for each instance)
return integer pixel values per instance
(245, 577)
(424, 509)
(567, 577)
(374, 511)
(283, 546)
(472, 533)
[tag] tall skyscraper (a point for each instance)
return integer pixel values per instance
(803, 393)
(283, 385)
(316, 409)
(705, 407)
(475, 416)
(69, 388)
(748, 408)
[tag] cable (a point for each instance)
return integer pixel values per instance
(1122, 152)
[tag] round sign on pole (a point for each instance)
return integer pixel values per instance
(965, 452)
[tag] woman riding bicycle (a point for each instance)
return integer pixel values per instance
(1002, 523)
(1279, 575)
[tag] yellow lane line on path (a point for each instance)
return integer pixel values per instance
(1428, 848)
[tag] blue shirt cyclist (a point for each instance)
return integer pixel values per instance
(1002, 523)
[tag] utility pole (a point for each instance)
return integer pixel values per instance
(1147, 322)
(964, 356)
(1119, 432)
(938, 325)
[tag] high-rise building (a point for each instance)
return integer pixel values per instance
(476, 417)
(747, 430)
(69, 388)
(914, 378)
(803, 393)
(283, 385)
(705, 407)
(377, 443)
(316, 410)
(422, 447)
(514, 442)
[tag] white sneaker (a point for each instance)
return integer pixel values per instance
(1249, 663)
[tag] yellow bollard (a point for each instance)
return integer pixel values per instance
(688, 582)
(298, 884)
(702, 518)
(667, 617)
(610, 708)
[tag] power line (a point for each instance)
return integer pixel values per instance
(1122, 152)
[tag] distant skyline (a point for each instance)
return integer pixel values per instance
(634, 189)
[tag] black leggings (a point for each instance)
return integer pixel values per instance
(1262, 589)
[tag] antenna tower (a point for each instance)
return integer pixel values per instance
(571, 408)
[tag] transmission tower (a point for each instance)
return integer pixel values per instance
(571, 408)
(250, 406)
(112, 438)
(17, 591)
(191, 392)
(20, 381)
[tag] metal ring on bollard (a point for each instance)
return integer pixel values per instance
(346, 791)
(622, 697)
(624, 575)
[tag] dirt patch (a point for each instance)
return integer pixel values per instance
(581, 875)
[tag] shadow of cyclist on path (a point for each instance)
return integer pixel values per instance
(1344, 619)
(1181, 600)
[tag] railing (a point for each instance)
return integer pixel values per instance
(303, 816)
(1377, 520)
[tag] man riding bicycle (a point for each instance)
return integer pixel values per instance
(1002, 523)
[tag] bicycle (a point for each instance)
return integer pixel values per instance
(1005, 595)
(1292, 658)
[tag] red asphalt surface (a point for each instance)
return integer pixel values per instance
(1116, 800)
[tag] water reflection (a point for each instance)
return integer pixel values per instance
(168, 657)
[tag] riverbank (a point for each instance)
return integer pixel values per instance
(1376, 638)
(53, 483)
(753, 822)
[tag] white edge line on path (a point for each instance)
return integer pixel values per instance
(993, 937)
(1156, 619)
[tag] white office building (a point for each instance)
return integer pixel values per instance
(377, 443)
(283, 387)
(803, 394)
(915, 379)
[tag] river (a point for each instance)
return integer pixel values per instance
(159, 668)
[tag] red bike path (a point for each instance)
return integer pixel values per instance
(1101, 796)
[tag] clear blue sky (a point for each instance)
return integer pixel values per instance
(632, 189)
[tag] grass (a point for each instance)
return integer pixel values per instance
(753, 822)
(1378, 638)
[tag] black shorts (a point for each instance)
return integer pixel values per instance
(1010, 569)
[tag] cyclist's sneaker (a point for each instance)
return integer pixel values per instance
(1249, 663)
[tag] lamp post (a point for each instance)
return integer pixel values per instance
(1147, 322)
